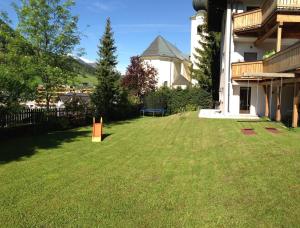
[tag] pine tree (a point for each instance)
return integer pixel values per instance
(207, 67)
(108, 94)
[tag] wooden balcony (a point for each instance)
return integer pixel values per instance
(257, 18)
(247, 20)
(284, 61)
(238, 69)
(270, 6)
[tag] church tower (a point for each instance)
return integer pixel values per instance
(197, 20)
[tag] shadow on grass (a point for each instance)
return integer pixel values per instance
(15, 149)
(105, 136)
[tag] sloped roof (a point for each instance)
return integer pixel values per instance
(162, 47)
(180, 80)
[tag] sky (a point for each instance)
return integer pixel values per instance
(135, 23)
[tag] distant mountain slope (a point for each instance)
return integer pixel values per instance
(83, 66)
(85, 69)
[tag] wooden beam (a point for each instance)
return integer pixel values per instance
(279, 37)
(278, 104)
(288, 18)
(295, 106)
(267, 112)
(268, 75)
(266, 35)
(285, 81)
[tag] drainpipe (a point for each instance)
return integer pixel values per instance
(229, 59)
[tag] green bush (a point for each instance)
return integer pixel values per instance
(178, 100)
(268, 54)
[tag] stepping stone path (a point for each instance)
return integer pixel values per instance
(248, 131)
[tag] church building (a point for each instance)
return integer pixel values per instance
(172, 65)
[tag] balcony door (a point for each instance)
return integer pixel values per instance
(245, 100)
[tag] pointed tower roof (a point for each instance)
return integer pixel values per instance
(163, 48)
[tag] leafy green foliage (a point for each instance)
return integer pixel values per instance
(207, 67)
(17, 68)
(51, 29)
(178, 100)
(140, 78)
(268, 54)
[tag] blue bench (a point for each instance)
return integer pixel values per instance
(153, 111)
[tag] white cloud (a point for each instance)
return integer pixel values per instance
(101, 5)
(86, 60)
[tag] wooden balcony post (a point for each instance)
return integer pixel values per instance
(295, 106)
(279, 37)
(278, 104)
(267, 112)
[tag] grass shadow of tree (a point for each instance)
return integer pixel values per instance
(16, 149)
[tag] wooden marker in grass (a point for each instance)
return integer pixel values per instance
(97, 130)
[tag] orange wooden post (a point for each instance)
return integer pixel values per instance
(97, 131)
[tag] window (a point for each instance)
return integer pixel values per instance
(165, 83)
(250, 56)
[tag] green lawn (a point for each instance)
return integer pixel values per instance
(177, 171)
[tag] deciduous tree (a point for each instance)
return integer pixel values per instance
(140, 78)
(51, 29)
(17, 68)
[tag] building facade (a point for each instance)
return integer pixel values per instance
(172, 65)
(260, 57)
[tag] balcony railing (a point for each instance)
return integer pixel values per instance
(270, 6)
(238, 69)
(247, 20)
(253, 19)
(287, 60)
(283, 61)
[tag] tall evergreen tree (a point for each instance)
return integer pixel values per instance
(207, 67)
(108, 94)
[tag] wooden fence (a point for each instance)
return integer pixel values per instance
(39, 116)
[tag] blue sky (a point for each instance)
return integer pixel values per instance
(135, 24)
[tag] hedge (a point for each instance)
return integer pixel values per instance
(178, 100)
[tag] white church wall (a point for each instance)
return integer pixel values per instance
(165, 71)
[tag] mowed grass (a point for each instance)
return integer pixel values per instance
(176, 171)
